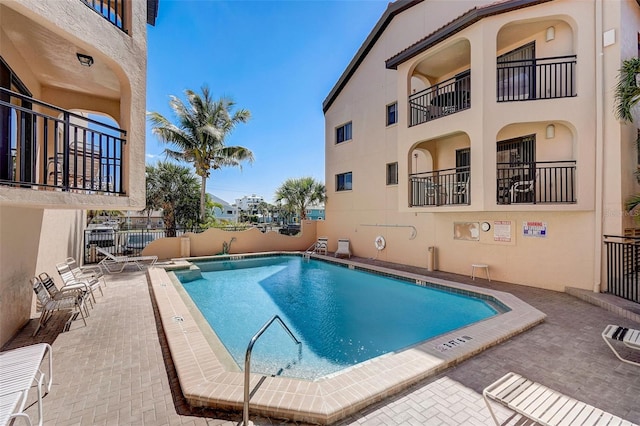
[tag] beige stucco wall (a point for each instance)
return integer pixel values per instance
(32, 241)
(586, 131)
(210, 242)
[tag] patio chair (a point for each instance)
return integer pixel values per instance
(85, 272)
(69, 280)
(21, 369)
(73, 303)
(628, 336)
(523, 190)
(321, 245)
(542, 405)
(343, 248)
(79, 289)
(115, 264)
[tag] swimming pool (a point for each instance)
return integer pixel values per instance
(342, 316)
(210, 377)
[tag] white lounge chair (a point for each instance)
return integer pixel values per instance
(70, 280)
(85, 272)
(74, 304)
(79, 289)
(21, 369)
(544, 406)
(628, 336)
(343, 248)
(116, 264)
(321, 245)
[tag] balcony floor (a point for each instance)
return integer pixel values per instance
(117, 370)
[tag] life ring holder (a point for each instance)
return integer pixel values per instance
(380, 243)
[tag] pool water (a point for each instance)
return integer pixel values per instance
(342, 316)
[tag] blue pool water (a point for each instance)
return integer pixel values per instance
(342, 316)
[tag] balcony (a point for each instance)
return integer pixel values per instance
(46, 147)
(442, 99)
(541, 182)
(111, 10)
(447, 187)
(538, 78)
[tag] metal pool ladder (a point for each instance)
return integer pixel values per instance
(247, 362)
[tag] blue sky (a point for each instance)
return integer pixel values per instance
(278, 59)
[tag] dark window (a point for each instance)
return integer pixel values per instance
(392, 113)
(392, 173)
(516, 74)
(343, 182)
(343, 133)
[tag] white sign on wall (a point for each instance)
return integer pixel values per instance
(502, 230)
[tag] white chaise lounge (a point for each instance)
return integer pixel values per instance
(114, 264)
(20, 370)
(545, 406)
(627, 336)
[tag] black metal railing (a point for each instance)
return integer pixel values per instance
(445, 98)
(539, 78)
(540, 182)
(623, 266)
(440, 187)
(46, 147)
(111, 10)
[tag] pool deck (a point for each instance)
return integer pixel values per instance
(117, 369)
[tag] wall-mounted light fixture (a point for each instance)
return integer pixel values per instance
(551, 33)
(551, 131)
(85, 60)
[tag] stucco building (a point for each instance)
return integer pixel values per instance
(65, 67)
(484, 132)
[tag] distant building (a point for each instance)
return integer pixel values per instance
(315, 212)
(226, 211)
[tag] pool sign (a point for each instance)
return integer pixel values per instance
(502, 230)
(534, 229)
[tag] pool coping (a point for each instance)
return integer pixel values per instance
(206, 382)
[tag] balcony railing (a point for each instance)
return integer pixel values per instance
(440, 187)
(539, 78)
(541, 182)
(46, 147)
(111, 10)
(445, 98)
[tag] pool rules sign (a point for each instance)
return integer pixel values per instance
(534, 229)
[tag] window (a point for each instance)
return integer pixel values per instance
(516, 74)
(343, 133)
(392, 173)
(343, 182)
(392, 114)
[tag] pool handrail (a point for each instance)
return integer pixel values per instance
(247, 362)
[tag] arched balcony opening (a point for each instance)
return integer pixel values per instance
(440, 83)
(440, 172)
(535, 60)
(535, 164)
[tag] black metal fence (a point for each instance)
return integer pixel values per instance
(538, 78)
(46, 147)
(445, 98)
(623, 266)
(111, 10)
(130, 242)
(539, 182)
(440, 187)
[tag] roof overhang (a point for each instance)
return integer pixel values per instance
(152, 11)
(392, 10)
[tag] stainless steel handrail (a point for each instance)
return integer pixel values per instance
(247, 362)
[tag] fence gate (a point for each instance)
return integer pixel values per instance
(623, 266)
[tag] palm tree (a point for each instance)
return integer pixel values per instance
(175, 190)
(298, 193)
(627, 97)
(200, 134)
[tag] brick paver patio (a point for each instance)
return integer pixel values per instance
(116, 371)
